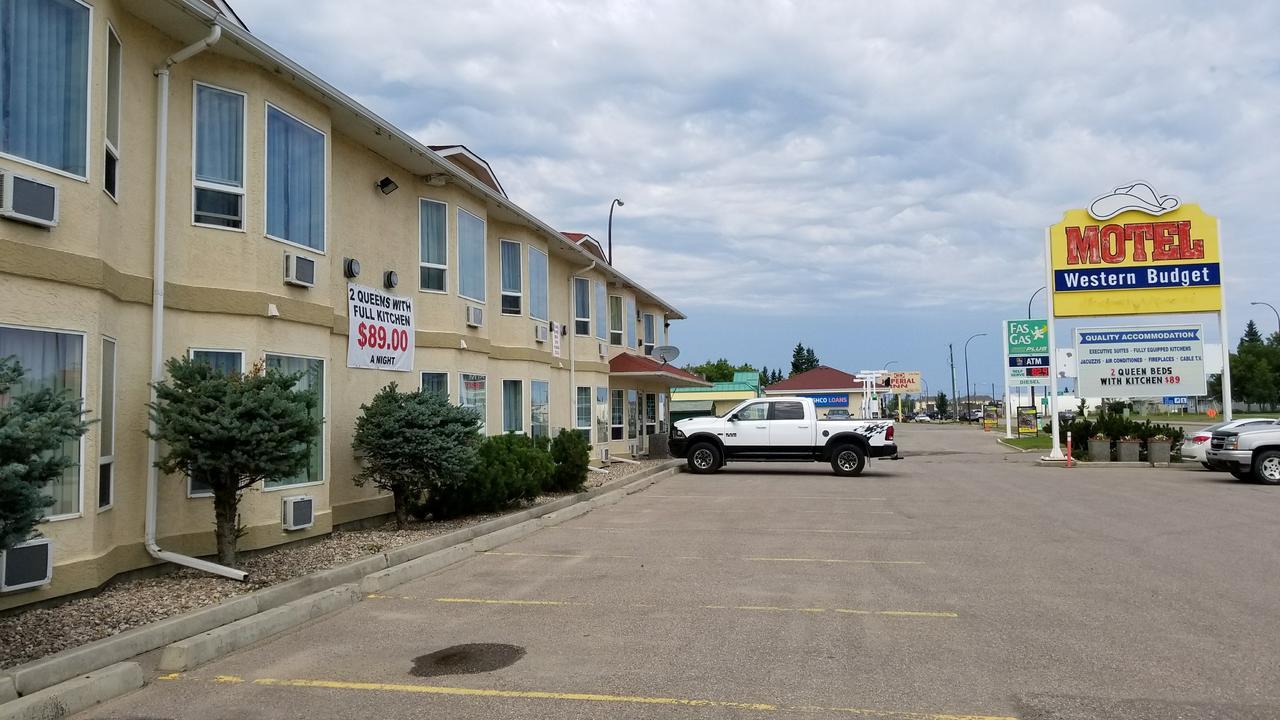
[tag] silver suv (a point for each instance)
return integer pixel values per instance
(1248, 453)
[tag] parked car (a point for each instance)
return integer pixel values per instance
(922, 417)
(972, 415)
(1196, 445)
(781, 429)
(837, 415)
(1251, 453)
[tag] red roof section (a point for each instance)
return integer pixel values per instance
(819, 378)
(586, 242)
(629, 363)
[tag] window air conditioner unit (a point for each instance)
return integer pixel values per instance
(475, 316)
(28, 200)
(604, 349)
(298, 512)
(604, 454)
(541, 333)
(299, 270)
(26, 565)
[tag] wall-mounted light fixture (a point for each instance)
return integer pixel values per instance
(390, 279)
(387, 185)
(351, 268)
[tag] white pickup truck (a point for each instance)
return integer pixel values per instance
(781, 429)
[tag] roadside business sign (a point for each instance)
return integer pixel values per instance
(1027, 419)
(379, 330)
(829, 399)
(990, 416)
(1149, 361)
(1027, 353)
(555, 339)
(907, 383)
(1174, 400)
(1134, 252)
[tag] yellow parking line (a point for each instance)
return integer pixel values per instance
(837, 561)
(764, 497)
(487, 601)
(834, 561)
(778, 530)
(583, 697)
(745, 608)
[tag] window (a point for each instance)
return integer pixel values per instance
(602, 415)
(787, 411)
(226, 362)
(662, 412)
(53, 360)
(44, 83)
(312, 371)
(601, 309)
(582, 307)
(295, 180)
(470, 256)
(540, 409)
(512, 406)
(111, 165)
(582, 412)
(650, 330)
(539, 285)
(756, 412)
(219, 158)
(633, 414)
(512, 294)
(437, 383)
(617, 415)
(650, 413)
(473, 395)
(106, 424)
(629, 320)
(615, 319)
(432, 246)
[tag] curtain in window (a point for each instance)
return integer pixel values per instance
(44, 82)
(312, 379)
(432, 244)
(538, 285)
(584, 408)
(50, 360)
(540, 409)
(511, 267)
(295, 181)
(629, 320)
(649, 328)
(436, 383)
(615, 320)
(219, 136)
(512, 406)
(470, 256)
(633, 413)
(226, 362)
(601, 311)
(582, 304)
(473, 395)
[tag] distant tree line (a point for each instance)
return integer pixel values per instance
(803, 359)
(1255, 370)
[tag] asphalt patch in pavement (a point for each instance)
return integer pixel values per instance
(467, 659)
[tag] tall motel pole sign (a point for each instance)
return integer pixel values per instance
(1134, 252)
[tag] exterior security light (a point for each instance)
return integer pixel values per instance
(387, 185)
(351, 268)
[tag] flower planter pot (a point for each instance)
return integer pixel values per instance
(1128, 450)
(1100, 450)
(1158, 452)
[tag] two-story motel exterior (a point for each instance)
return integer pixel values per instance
(181, 146)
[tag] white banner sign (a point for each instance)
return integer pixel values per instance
(1151, 361)
(555, 339)
(379, 330)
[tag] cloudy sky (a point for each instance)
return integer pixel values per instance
(872, 179)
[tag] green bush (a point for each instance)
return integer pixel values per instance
(572, 455)
(509, 469)
(1113, 426)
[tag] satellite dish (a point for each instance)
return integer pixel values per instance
(666, 353)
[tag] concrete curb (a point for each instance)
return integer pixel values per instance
(1118, 465)
(73, 696)
(201, 635)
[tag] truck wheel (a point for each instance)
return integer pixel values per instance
(848, 460)
(1266, 467)
(704, 458)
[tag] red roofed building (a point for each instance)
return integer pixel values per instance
(831, 389)
(588, 243)
(638, 402)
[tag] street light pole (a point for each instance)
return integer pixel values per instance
(1273, 309)
(1033, 387)
(951, 356)
(616, 203)
(886, 369)
(967, 397)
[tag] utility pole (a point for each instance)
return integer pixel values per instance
(951, 355)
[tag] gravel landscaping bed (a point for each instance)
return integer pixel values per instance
(33, 634)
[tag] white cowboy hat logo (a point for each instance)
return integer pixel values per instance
(1138, 196)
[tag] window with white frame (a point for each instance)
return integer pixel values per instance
(512, 285)
(582, 306)
(633, 414)
(433, 246)
(602, 310)
(472, 395)
(512, 406)
(227, 362)
(295, 180)
(615, 319)
(582, 412)
(219, 158)
(107, 425)
(539, 409)
(650, 332)
(311, 377)
(539, 285)
(470, 256)
(602, 414)
(617, 415)
(436, 383)
(44, 83)
(111, 161)
(53, 360)
(650, 413)
(629, 320)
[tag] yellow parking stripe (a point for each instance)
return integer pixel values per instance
(744, 608)
(837, 561)
(778, 530)
(485, 601)
(763, 497)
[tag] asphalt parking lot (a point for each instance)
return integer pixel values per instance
(962, 582)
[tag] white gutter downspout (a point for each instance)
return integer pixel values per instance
(573, 342)
(157, 306)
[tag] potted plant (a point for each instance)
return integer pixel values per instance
(1099, 448)
(1158, 449)
(1129, 449)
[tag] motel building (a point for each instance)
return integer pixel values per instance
(831, 389)
(176, 187)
